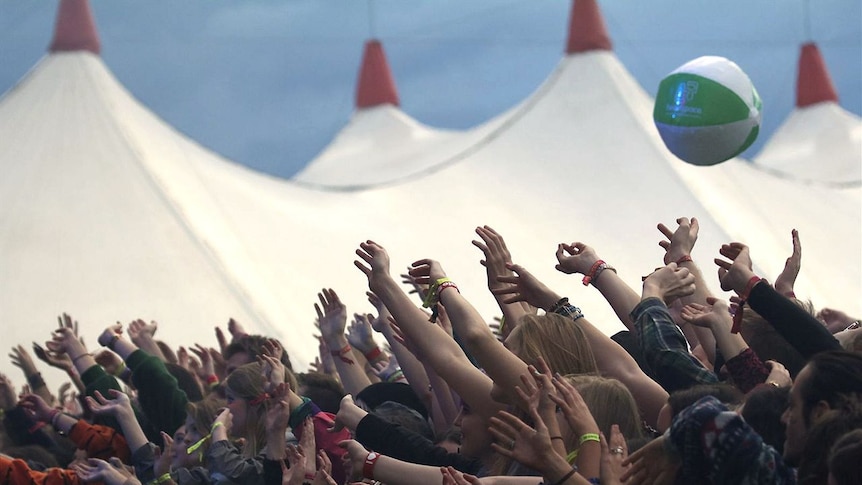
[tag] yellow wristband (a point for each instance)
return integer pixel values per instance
(162, 479)
(588, 437)
(216, 425)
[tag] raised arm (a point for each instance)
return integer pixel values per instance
(678, 248)
(496, 256)
(443, 353)
(578, 258)
(797, 326)
(504, 367)
(333, 319)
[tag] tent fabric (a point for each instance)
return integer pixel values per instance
(110, 214)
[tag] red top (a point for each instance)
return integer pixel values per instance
(376, 85)
(587, 30)
(75, 29)
(813, 85)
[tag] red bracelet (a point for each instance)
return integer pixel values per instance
(341, 354)
(212, 379)
(743, 297)
(444, 285)
(683, 259)
(592, 273)
(368, 467)
(373, 354)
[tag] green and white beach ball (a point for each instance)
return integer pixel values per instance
(707, 111)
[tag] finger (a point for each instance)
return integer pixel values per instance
(665, 230)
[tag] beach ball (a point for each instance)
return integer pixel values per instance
(707, 111)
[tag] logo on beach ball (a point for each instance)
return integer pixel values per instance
(707, 111)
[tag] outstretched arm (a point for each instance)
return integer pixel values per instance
(797, 326)
(442, 353)
(504, 367)
(678, 248)
(496, 256)
(582, 259)
(333, 319)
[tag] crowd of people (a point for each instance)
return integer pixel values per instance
(758, 389)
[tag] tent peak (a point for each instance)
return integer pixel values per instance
(813, 84)
(376, 85)
(587, 30)
(75, 29)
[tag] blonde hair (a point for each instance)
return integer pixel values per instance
(559, 340)
(610, 402)
(247, 382)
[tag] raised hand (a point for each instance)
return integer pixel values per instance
(778, 374)
(295, 474)
(206, 368)
(164, 456)
(526, 287)
(37, 408)
(119, 405)
(273, 370)
(21, 358)
(7, 393)
(278, 411)
(614, 452)
(333, 316)
(530, 446)
(573, 407)
(652, 464)
(324, 471)
(376, 259)
(679, 243)
(496, 255)
(59, 360)
(785, 281)
(112, 473)
(379, 323)
(65, 341)
(360, 333)
(354, 459)
(110, 335)
(715, 315)
(385, 369)
(420, 290)
(734, 275)
(427, 271)
(575, 258)
(349, 415)
(139, 329)
(669, 283)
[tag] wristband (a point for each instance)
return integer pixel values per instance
(120, 369)
(111, 343)
(592, 272)
(743, 297)
(588, 437)
(368, 467)
(683, 259)
(565, 477)
(212, 380)
(373, 354)
(342, 353)
(79, 356)
(216, 425)
(162, 479)
(35, 381)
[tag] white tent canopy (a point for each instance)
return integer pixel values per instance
(110, 214)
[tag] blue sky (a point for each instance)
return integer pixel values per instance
(269, 83)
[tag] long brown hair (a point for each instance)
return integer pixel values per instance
(247, 382)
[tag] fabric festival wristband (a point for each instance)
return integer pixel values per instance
(592, 273)
(341, 354)
(162, 479)
(368, 466)
(373, 354)
(588, 437)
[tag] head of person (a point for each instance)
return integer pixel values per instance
(768, 344)
(475, 438)
(828, 379)
(844, 459)
(814, 463)
(323, 389)
(194, 436)
(762, 410)
(679, 400)
(247, 349)
(610, 402)
(247, 400)
(557, 339)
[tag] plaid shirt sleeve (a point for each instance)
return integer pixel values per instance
(665, 348)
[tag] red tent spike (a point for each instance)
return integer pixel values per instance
(587, 30)
(376, 85)
(75, 29)
(813, 84)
